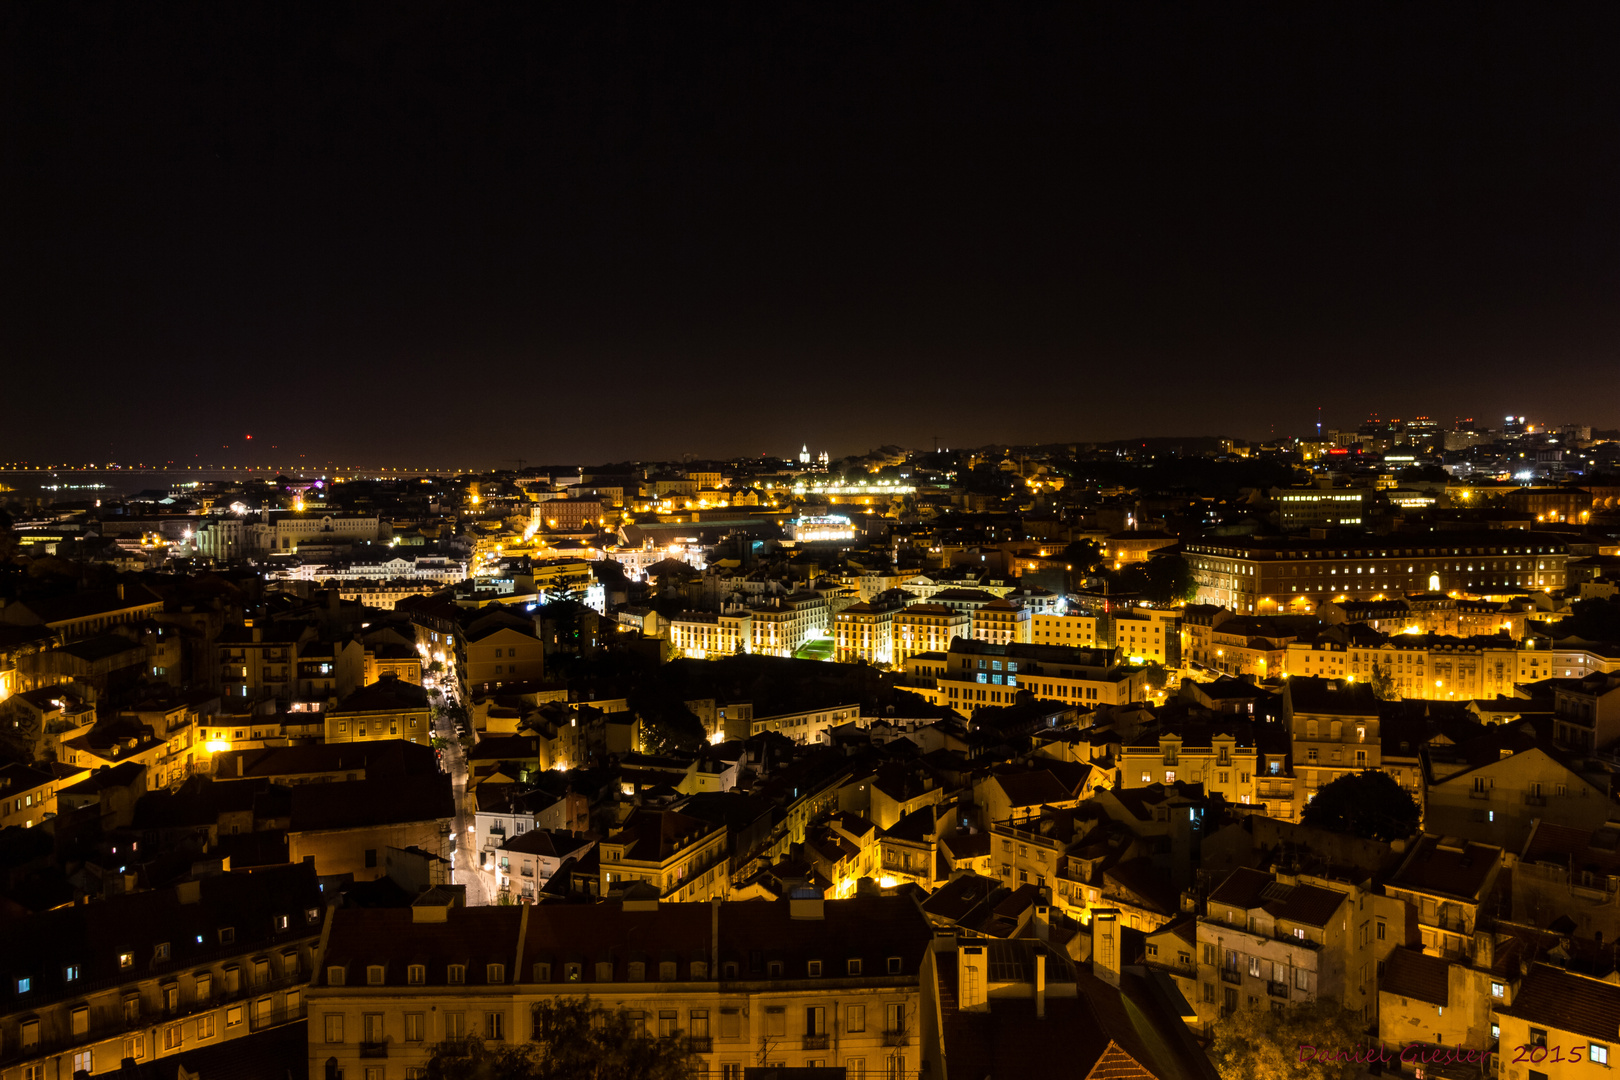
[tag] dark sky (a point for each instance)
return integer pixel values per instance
(446, 233)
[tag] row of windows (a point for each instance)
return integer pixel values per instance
(133, 1046)
(1416, 553)
(495, 974)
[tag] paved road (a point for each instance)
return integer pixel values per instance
(464, 868)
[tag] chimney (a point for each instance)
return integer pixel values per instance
(1043, 922)
(714, 939)
(1105, 945)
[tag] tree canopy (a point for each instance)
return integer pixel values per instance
(1594, 619)
(1369, 804)
(573, 1040)
(1290, 1043)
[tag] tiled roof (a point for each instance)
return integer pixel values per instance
(549, 843)
(753, 936)
(355, 803)
(655, 835)
(1410, 973)
(1033, 788)
(377, 758)
(1552, 998)
(956, 898)
(1574, 849)
(471, 937)
(1331, 697)
(1010, 1041)
(386, 694)
(1249, 889)
(1451, 868)
(56, 609)
(92, 937)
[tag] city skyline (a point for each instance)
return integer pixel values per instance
(259, 455)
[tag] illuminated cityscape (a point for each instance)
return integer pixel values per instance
(798, 542)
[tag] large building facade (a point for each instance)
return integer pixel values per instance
(1250, 576)
(800, 982)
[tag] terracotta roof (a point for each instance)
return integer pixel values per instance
(1552, 998)
(1574, 849)
(55, 609)
(1035, 787)
(956, 898)
(1448, 867)
(549, 843)
(355, 803)
(1330, 697)
(1009, 1040)
(1409, 973)
(386, 694)
(471, 937)
(92, 937)
(655, 835)
(383, 756)
(753, 935)
(1308, 904)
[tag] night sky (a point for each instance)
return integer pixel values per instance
(447, 234)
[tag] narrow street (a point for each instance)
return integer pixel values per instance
(463, 858)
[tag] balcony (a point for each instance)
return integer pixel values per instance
(1230, 976)
(1486, 795)
(896, 1038)
(1535, 800)
(111, 1025)
(815, 1042)
(265, 1019)
(699, 1044)
(374, 1049)
(1277, 990)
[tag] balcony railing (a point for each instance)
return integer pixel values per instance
(1230, 976)
(1535, 800)
(374, 1049)
(699, 1044)
(1277, 989)
(1486, 794)
(265, 1020)
(815, 1042)
(896, 1038)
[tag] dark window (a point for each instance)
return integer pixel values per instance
(371, 858)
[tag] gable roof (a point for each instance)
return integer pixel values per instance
(1249, 889)
(1552, 998)
(1449, 867)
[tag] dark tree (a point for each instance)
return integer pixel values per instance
(1383, 683)
(1593, 619)
(573, 1040)
(1369, 804)
(1169, 578)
